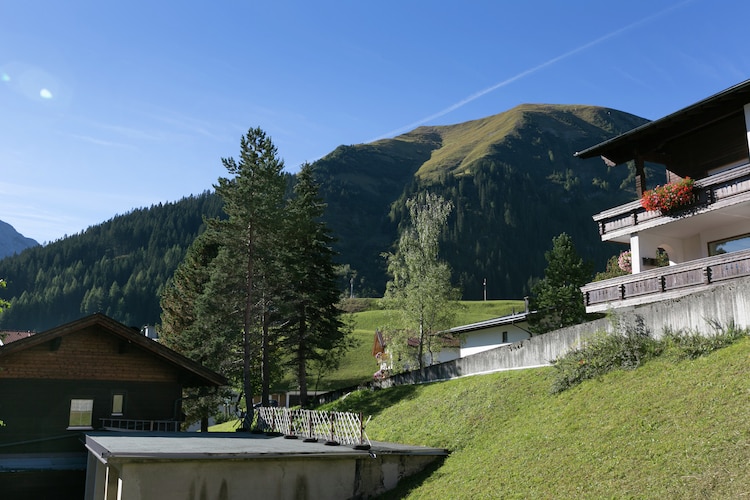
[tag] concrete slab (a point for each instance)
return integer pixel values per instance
(109, 445)
(140, 466)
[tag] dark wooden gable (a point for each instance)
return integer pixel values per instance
(98, 348)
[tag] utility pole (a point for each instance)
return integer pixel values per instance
(484, 283)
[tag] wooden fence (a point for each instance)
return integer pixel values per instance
(333, 427)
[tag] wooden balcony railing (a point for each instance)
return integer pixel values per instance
(716, 191)
(663, 282)
(123, 424)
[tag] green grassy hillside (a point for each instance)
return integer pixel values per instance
(359, 365)
(670, 429)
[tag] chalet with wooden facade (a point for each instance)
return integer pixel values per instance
(705, 239)
(90, 374)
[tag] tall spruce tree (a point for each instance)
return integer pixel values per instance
(420, 287)
(245, 270)
(557, 298)
(312, 318)
(183, 324)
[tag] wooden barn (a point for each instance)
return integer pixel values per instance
(90, 374)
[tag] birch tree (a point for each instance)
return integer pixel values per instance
(420, 288)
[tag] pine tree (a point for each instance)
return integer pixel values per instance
(245, 271)
(183, 325)
(313, 326)
(557, 298)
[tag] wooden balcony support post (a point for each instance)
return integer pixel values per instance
(640, 176)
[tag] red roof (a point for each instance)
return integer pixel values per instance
(8, 336)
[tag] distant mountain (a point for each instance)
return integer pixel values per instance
(512, 178)
(13, 242)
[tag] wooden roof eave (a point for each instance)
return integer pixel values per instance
(647, 140)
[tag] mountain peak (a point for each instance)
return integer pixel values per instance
(12, 242)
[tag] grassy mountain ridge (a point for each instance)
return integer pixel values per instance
(669, 429)
(466, 143)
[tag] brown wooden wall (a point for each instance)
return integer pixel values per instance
(87, 355)
(36, 412)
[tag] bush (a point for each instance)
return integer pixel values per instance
(603, 353)
(691, 344)
(632, 346)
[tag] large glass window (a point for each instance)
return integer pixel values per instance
(734, 244)
(81, 413)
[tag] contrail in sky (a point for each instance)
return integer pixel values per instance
(531, 71)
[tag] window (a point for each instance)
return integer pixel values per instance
(81, 411)
(505, 337)
(118, 400)
(733, 244)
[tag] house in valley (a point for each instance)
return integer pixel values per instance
(492, 333)
(461, 341)
(698, 222)
(90, 374)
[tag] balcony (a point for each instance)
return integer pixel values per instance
(123, 424)
(728, 190)
(665, 282)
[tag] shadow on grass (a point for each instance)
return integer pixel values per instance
(372, 402)
(408, 484)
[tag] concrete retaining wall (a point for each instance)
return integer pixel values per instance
(723, 304)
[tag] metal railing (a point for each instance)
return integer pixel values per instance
(334, 427)
(123, 424)
(678, 278)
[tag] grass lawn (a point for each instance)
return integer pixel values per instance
(670, 429)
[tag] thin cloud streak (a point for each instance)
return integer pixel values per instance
(531, 71)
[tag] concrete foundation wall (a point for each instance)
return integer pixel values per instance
(291, 478)
(721, 304)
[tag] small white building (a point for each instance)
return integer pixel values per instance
(491, 333)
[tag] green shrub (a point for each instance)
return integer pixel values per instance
(692, 344)
(633, 345)
(626, 349)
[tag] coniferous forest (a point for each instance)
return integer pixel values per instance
(512, 178)
(117, 267)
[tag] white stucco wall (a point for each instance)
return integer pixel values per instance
(491, 338)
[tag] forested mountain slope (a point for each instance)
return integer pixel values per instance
(512, 178)
(117, 267)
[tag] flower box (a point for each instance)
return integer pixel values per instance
(670, 197)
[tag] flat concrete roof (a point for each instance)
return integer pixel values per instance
(214, 445)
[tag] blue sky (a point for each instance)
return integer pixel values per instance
(110, 106)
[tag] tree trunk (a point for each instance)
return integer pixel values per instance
(420, 349)
(301, 360)
(266, 357)
(246, 350)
